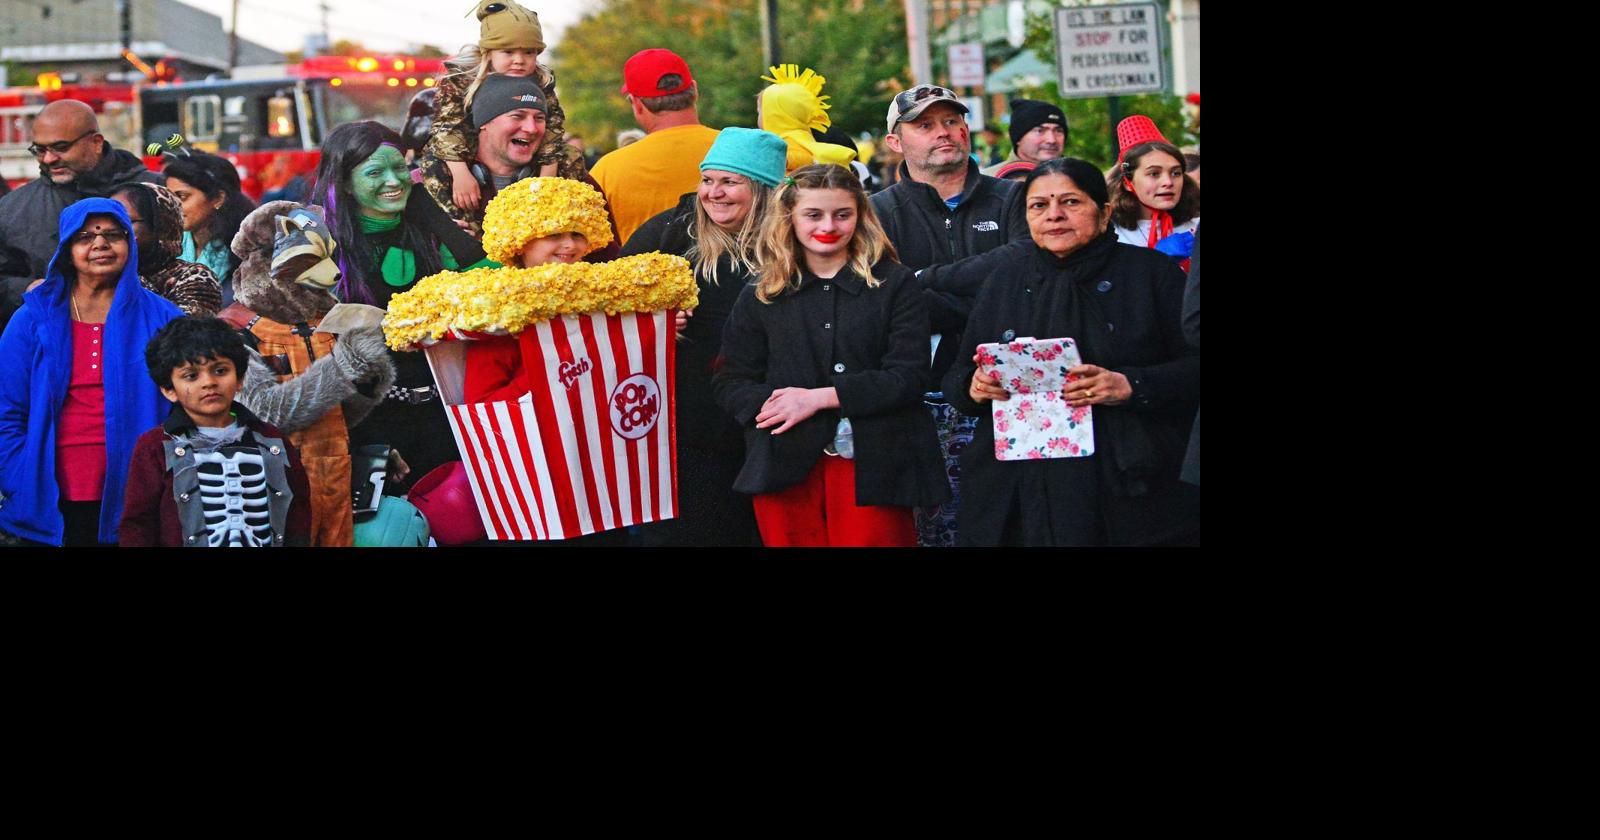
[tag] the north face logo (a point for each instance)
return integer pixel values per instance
(986, 226)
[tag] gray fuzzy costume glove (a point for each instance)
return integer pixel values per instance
(362, 356)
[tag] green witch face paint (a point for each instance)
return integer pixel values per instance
(382, 183)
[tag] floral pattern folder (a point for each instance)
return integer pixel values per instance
(1036, 422)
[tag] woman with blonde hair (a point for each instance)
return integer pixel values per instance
(716, 229)
(824, 365)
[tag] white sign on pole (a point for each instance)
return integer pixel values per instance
(966, 64)
(974, 110)
(1109, 50)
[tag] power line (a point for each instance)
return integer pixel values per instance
(324, 26)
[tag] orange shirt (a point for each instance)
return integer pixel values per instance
(647, 177)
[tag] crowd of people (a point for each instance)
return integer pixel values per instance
(175, 375)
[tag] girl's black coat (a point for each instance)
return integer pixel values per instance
(871, 344)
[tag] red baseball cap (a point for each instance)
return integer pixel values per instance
(645, 69)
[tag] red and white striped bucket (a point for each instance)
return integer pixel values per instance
(592, 447)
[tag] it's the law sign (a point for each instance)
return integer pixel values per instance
(1109, 50)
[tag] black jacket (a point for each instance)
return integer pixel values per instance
(1121, 304)
(702, 424)
(1191, 333)
(28, 215)
(927, 233)
(868, 343)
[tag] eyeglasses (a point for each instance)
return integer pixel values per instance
(907, 98)
(86, 237)
(60, 147)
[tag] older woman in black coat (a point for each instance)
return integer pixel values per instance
(1122, 306)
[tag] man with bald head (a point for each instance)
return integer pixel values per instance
(75, 162)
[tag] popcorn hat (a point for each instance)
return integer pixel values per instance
(536, 207)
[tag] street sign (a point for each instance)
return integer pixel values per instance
(974, 111)
(1109, 50)
(966, 64)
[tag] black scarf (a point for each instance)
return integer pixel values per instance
(1070, 306)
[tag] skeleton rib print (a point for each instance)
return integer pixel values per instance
(235, 497)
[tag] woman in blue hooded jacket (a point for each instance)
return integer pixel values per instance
(76, 395)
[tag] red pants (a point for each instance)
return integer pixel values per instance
(822, 510)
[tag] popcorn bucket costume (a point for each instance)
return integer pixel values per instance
(557, 379)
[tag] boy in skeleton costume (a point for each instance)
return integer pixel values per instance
(313, 385)
(213, 475)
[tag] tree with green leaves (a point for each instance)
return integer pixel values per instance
(858, 45)
(1090, 134)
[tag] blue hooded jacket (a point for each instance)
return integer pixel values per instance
(37, 351)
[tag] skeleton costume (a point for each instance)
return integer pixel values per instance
(242, 486)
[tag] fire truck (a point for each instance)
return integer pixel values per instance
(269, 120)
(116, 105)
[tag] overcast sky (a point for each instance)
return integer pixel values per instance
(390, 25)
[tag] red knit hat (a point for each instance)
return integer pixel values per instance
(1135, 130)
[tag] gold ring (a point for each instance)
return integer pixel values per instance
(1091, 395)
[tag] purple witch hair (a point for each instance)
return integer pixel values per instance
(348, 290)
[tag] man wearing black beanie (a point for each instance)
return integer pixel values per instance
(508, 113)
(1038, 133)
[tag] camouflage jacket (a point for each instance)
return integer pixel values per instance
(452, 136)
(436, 179)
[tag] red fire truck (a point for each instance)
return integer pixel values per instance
(269, 120)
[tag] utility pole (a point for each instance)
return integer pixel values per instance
(327, 42)
(769, 33)
(917, 41)
(233, 38)
(125, 13)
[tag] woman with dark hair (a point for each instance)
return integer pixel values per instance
(1154, 204)
(390, 236)
(157, 218)
(76, 397)
(214, 205)
(1137, 386)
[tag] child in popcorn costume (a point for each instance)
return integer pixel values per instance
(538, 221)
(541, 229)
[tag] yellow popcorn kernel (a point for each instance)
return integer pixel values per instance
(509, 300)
